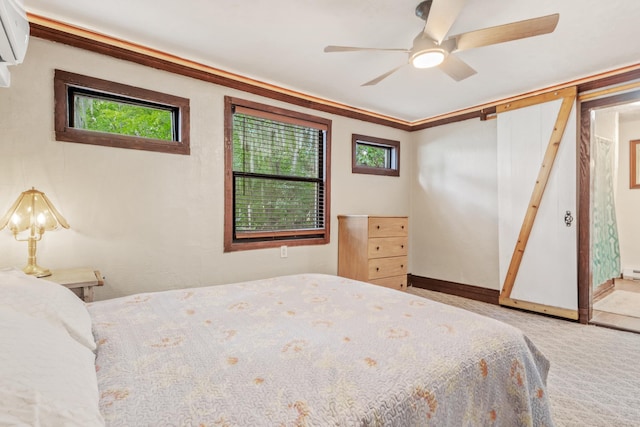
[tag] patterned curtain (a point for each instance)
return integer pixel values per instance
(605, 248)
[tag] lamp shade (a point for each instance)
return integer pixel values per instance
(32, 209)
(34, 212)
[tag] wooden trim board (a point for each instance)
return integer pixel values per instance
(486, 295)
(604, 289)
(535, 100)
(540, 308)
(466, 291)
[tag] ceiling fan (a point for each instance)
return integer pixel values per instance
(431, 49)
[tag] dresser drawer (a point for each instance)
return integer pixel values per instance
(382, 247)
(396, 282)
(387, 267)
(388, 226)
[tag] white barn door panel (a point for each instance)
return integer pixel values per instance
(542, 235)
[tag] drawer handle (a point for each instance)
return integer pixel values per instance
(377, 248)
(401, 265)
(401, 246)
(402, 227)
(378, 227)
(377, 268)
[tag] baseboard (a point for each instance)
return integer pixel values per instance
(467, 291)
(603, 290)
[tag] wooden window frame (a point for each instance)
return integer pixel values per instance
(275, 238)
(634, 152)
(394, 146)
(66, 84)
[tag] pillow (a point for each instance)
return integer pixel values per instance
(47, 300)
(46, 377)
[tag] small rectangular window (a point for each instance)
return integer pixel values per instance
(375, 156)
(98, 112)
(277, 183)
(94, 111)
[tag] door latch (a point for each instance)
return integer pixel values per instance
(568, 218)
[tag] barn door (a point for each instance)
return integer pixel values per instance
(537, 204)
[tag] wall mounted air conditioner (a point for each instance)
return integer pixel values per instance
(14, 36)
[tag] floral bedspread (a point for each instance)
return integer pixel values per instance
(311, 350)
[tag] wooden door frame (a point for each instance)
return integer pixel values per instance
(585, 294)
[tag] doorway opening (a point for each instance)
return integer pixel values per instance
(609, 290)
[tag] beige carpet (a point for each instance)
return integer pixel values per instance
(594, 380)
(620, 302)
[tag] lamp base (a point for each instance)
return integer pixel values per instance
(36, 270)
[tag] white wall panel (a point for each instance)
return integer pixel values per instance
(454, 216)
(548, 271)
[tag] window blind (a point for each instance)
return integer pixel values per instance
(278, 176)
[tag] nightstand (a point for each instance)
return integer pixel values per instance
(80, 280)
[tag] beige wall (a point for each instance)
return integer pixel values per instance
(628, 200)
(154, 221)
(454, 204)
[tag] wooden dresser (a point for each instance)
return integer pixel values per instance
(373, 249)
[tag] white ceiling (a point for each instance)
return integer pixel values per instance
(281, 42)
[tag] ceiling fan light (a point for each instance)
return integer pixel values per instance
(428, 58)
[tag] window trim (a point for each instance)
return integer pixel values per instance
(66, 83)
(286, 237)
(388, 143)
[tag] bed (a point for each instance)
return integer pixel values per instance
(300, 350)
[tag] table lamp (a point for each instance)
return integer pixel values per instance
(34, 212)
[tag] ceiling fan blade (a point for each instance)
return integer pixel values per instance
(456, 68)
(382, 77)
(442, 15)
(508, 32)
(356, 49)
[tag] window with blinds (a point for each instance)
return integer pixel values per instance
(276, 177)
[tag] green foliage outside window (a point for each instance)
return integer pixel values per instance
(122, 118)
(372, 156)
(278, 175)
